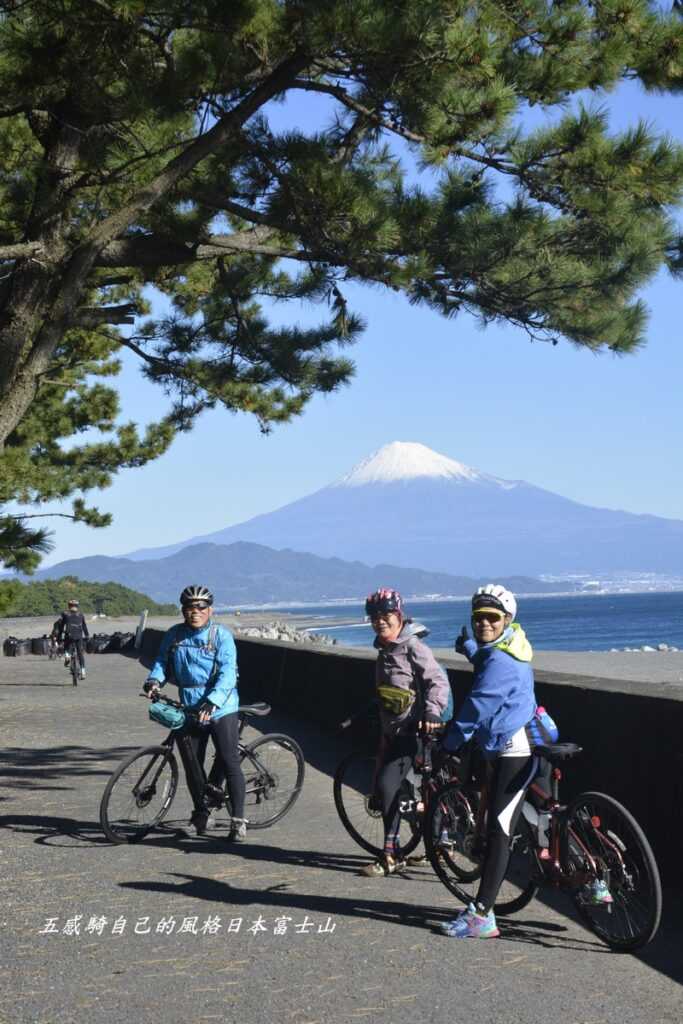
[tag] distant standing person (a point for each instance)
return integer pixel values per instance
(71, 628)
(199, 657)
(413, 693)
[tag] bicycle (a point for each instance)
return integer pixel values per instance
(71, 650)
(359, 808)
(140, 792)
(569, 847)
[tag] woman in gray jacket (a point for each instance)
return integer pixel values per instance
(412, 691)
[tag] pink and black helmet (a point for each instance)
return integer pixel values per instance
(383, 601)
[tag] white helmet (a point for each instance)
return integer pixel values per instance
(495, 596)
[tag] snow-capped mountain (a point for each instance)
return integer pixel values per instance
(410, 506)
(406, 460)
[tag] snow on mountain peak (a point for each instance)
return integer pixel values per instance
(406, 460)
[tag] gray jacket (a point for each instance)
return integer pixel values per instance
(409, 665)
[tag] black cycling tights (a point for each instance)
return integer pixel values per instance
(507, 784)
(397, 765)
(225, 734)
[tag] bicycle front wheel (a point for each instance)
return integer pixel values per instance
(352, 789)
(450, 839)
(603, 842)
(139, 794)
(273, 767)
(75, 667)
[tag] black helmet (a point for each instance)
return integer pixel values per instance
(195, 593)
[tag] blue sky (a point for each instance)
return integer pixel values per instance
(602, 430)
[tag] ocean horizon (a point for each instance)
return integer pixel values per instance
(560, 622)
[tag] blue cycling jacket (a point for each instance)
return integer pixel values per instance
(502, 698)
(200, 673)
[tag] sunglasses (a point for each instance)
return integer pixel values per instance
(198, 605)
(487, 617)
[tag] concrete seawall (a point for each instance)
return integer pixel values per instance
(631, 732)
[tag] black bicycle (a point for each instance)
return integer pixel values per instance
(359, 807)
(139, 794)
(71, 650)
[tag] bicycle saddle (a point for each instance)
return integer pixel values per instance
(555, 752)
(261, 708)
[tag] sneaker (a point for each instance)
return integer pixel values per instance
(598, 893)
(199, 824)
(386, 865)
(471, 925)
(418, 860)
(82, 673)
(67, 660)
(238, 830)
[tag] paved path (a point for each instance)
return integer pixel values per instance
(185, 930)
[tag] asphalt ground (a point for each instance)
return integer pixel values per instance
(283, 928)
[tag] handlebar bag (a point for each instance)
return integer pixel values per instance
(164, 714)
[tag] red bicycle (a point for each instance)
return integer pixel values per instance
(591, 841)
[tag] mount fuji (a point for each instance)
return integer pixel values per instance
(411, 506)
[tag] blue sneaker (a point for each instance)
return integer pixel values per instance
(598, 893)
(471, 925)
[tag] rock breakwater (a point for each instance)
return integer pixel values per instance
(279, 630)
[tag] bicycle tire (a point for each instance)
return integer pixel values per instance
(123, 812)
(523, 874)
(74, 667)
(449, 833)
(274, 769)
(597, 827)
(352, 791)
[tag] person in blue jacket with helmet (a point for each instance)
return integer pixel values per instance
(499, 715)
(200, 658)
(498, 708)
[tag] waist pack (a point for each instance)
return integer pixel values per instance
(393, 699)
(164, 714)
(542, 729)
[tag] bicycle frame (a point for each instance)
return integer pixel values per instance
(550, 858)
(195, 773)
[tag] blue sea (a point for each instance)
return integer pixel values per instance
(581, 622)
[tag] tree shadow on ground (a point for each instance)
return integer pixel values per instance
(24, 768)
(283, 899)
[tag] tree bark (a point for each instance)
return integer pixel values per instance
(41, 299)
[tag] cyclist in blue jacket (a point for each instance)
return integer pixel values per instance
(495, 714)
(199, 657)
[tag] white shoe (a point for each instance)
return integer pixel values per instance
(82, 673)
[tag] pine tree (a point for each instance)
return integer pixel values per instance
(137, 152)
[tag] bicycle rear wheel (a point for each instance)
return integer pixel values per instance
(139, 794)
(352, 789)
(273, 767)
(602, 840)
(74, 665)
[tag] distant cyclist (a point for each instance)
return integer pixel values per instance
(412, 691)
(71, 629)
(199, 657)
